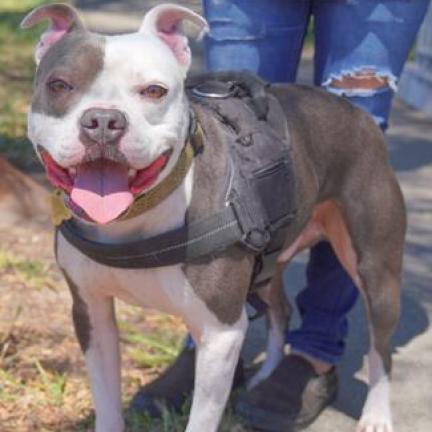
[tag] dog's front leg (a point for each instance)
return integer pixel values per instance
(97, 333)
(103, 364)
(218, 350)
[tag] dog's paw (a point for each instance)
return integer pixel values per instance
(374, 424)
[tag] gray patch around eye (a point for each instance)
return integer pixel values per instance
(79, 57)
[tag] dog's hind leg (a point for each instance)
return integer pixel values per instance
(383, 313)
(277, 315)
(380, 243)
(367, 234)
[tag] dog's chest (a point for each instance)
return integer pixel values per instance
(165, 288)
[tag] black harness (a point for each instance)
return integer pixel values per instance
(260, 198)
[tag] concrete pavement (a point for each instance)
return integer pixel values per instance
(410, 146)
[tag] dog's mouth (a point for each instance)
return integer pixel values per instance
(103, 189)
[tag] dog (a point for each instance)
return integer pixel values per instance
(109, 119)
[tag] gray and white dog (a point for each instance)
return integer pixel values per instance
(109, 119)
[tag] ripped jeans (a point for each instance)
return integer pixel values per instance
(360, 49)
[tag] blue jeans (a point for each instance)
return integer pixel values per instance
(360, 49)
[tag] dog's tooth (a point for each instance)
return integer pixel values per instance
(132, 173)
(72, 172)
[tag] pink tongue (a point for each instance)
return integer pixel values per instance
(101, 189)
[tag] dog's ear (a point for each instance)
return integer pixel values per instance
(166, 22)
(63, 19)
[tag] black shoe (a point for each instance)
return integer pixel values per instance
(173, 387)
(290, 399)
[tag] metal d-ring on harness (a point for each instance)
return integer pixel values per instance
(261, 200)
(208, 90)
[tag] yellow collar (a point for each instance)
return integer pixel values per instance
(194, 144)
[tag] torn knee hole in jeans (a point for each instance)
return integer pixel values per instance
(362, 82)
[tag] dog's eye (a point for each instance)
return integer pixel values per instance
(153, 91)
(59, 86)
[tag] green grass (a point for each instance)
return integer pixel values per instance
(34, 273)
(52, 383)
(16, 74)
(154, 350)
(19, 5)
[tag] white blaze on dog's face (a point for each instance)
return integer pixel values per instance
(109, 115)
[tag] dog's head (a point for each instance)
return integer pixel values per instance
(108, 116)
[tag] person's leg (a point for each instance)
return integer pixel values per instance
(265, 38)
(362, 47)
(322, 340)
(323, 305)
(268, 41)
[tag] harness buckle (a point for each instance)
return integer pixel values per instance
(214, 90)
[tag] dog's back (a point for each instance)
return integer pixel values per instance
(332, 135)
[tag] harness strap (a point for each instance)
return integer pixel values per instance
(156, 195)
(204, 238)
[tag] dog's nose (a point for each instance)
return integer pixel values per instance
(103, 126)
